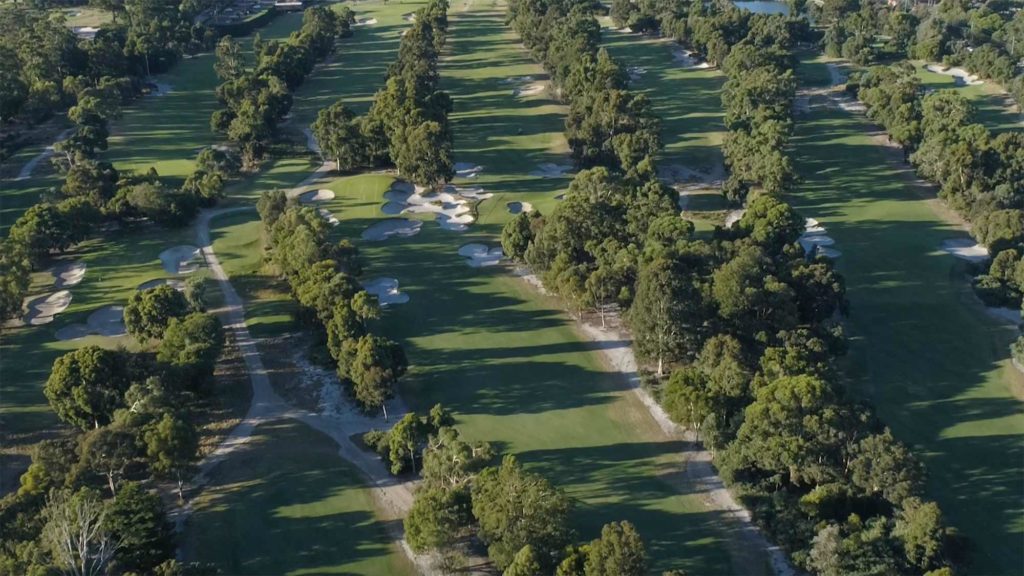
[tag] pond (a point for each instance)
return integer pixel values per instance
(764, 6)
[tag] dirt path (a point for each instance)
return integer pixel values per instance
(394, 496)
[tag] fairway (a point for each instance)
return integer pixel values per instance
(272, 509)
(922, 350)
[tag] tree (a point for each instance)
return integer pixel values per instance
(376, 368)
(404, 442)
(109, 451)
(516, 236)
(664, 315)
(450, 461)
(15, 268)
(920, 529)
(437, 518)
(425, 154)
(136, 518)
(880, 464)
(515, 508)
(150, 311)
(524, 563)
(172, 448)
(76, 533)
(230, 62)
(52, 465)
(618, 552)
(191, 346)
(340, 137)
(86, 386)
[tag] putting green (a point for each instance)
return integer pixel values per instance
(273, 509)
(923, 351)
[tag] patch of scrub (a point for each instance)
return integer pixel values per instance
(180, 259)
(42, 309)
(550, 170)
(965, 249)
(517, 207)
(400, 227)
(322, 195)
(386, 290)
(960, 76)
(479, 255)
(467, 170)
(68, 273)
(175, 283)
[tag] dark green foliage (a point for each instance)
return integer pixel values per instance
(190, 347)
(87, 385)
(149, 312)
(136, 518)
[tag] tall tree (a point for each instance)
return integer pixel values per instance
(87, 385)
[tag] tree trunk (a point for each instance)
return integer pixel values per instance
(181, 489)
(661, 372)
(385, 408)
(110, 483)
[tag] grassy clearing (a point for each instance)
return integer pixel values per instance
(923, 350)
(85, 16)
(273, 509)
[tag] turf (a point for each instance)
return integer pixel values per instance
(273, 509)
(922, 349)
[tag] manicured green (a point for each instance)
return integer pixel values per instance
(922, 349)
(271, 508)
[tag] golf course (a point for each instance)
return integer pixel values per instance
(445, 287)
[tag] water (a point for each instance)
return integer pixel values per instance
(764, 7)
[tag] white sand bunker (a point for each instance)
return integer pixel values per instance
(68, 273)
(400, 227)
(550, 170)
(960, 76)
(518, 80)
(687, 59)
(965, 249)
(531, 89)
(180, 259)
(635, 72)
(409, 16)
(106, 321)
(467, 170)
(386, 290)
(471, 193)
(479, 255)
(810, 242)
(365, 21)
(734, 217)
(560, 197)
(329, 216)
(42, 309)
(451, 212)
(175, 283)
(517, 207)
(321, 195)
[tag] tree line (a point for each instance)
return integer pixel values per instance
(464, 496)
(44, 65)
(985, 37)
(742, 328)
(407, 125)
(979, 174)
(89, 502)
(255, 100)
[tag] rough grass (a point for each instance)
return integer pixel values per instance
(923, 351)
(274, 509)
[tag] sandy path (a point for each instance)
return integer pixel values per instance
(394, 496)
(30, 166)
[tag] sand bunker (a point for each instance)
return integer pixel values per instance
(518, 80)
(960, 76)
(517, 207)
(180, 259)
(365, 21)
(401, 227)
(531, 89)
(467, 170)
(175, 283)
(965, 249)
(550, 170)
(479, 255)
(329, 216)
(386, 290)
(451, 210)
(409, 16)
(811, 242)
(68, 273)
(734, 217)
(560, 197)
(42, 309)
(687, 59)
(106, 321)
(321, 195)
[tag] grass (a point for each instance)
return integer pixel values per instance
(995, 108)
(273, 509)
(922, 349)
(85, 16)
